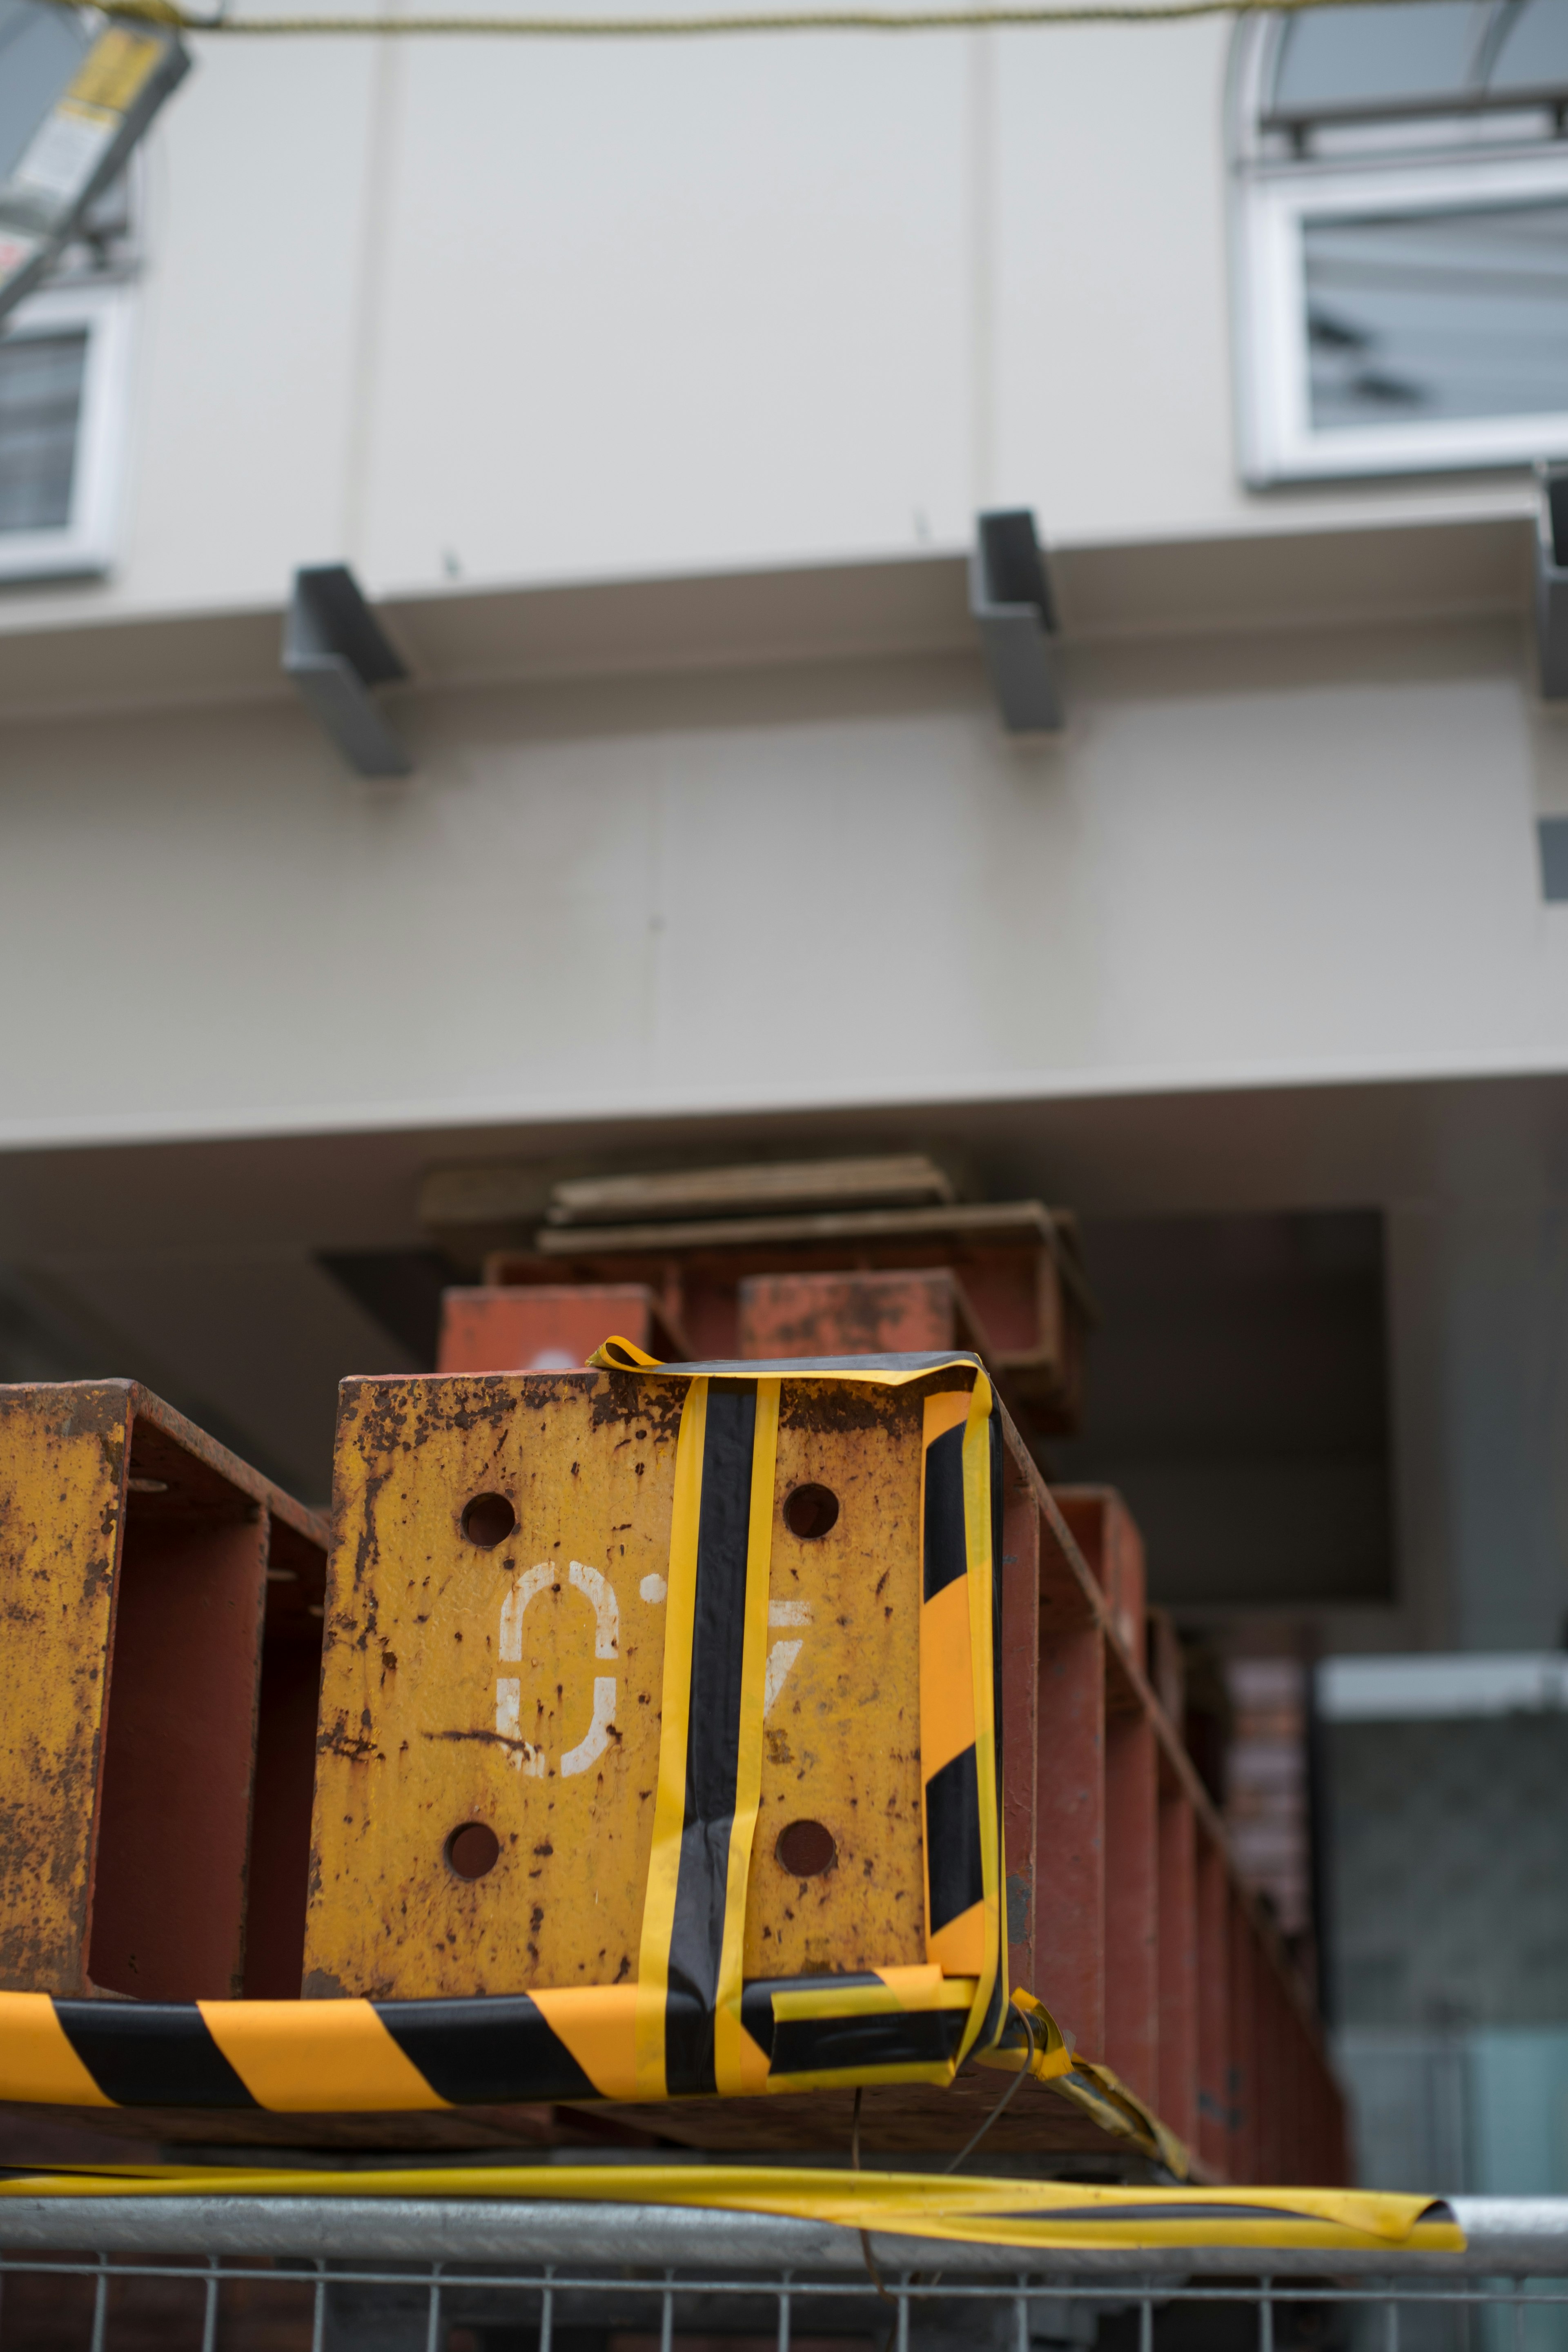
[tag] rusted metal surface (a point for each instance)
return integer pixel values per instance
(553, 1328)
(462, 1681)
(1177, 1915)
(1107, 1535)
(133, 1566)
(1132, 1922)
(518, 1685)
(853, 1314)
(1024, 1301)
(61, 1499)
(1263, 2087)
(1124, 1912)
(285, 1776)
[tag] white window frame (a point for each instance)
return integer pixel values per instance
(1271, 203)
(85, 545)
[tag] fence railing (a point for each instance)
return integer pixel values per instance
(242, 2273)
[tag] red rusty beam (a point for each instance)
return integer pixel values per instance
(1020, 1713)
(1107, 1535)
(145, 1571)
(1131, 1900)
(1178, 1974)
(1214, 2005)
(1068, 1965)
(1124, 1910)
(552, 1329)
(917, 1312)
(1244, 2137)
(1024, 1303)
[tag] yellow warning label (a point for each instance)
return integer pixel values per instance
(114, 70)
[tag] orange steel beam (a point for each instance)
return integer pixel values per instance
(1125, 1912)
(157, 1703)
(1178, 1971)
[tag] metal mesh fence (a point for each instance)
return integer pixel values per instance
(280, 2293)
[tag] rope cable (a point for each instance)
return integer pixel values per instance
(771, 20)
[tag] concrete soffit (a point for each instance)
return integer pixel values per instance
(898, 609)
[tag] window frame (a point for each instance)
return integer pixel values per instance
(85, 545)
(1271, 199)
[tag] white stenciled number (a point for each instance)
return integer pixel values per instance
(600, 1595)
(781, 1655)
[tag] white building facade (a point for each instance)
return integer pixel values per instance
(651, 390)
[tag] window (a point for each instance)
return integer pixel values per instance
(62, 401)
(64, 389)
(1401, 237)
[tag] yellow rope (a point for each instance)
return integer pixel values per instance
(802, 20)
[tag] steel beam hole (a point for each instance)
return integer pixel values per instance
(810, 1512)
(805, 1849)
(473, 1851)
(487, 1520)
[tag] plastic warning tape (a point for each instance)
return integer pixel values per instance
(1031, 2214)
(688, 2024)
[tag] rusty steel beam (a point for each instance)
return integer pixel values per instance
(163, 1606)
(564, 1627)
(1124, 1911)
(157, 1729)
(1018, 1295)
(551, 1328)
(857, 1314)
(1178, 1959)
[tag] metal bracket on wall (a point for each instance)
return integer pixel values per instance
(1010, 603)
(335, 650)
(1551, 581)
(1552, 651)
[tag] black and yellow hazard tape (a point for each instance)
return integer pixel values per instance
(1038, 2215)
(692, 2031)
(688, 2024)
(322, 2057)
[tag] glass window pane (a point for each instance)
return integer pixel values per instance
(41, 409)
(1351, 56)
(1534, 50)
(1441, 314)
(40, 48)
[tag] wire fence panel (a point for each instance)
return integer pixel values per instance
(148, 2285)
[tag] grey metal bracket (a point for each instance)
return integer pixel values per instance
(1551, 581)
(1010, 603)
(335, 650)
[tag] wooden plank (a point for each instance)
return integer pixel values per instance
(907, 1179)
(988, 1221)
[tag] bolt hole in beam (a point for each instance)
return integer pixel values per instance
(805, 1849)
(487, 1520)
(810, 1512)
(472, 1851)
